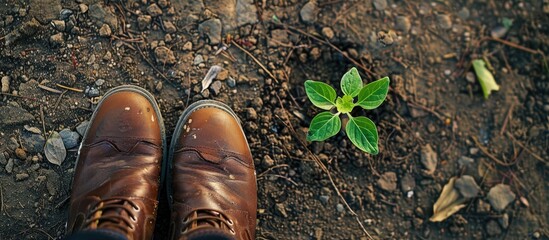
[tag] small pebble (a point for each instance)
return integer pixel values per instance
(403, 23)
(9, 165)
(444, 21)
(105, 31)
(231, 82)
(328, 33)
(5, 84)
(340, 208)
(99, 82)
(21, 153)
(21, 176)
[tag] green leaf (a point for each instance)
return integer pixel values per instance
(351, 83)
(363, 133)
(485, 78)
(345, 104)
(321, 94)
(323, 126)
(373, 94)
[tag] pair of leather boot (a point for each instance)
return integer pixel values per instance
(124, 158)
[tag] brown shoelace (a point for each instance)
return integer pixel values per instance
(206, 218)
(112, 213)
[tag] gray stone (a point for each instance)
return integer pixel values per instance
(464, 161)
(500, 196)
(246, 13)
(216, 87)
(154, 10)
(429, 159)
(324, 199)
(9, 165)
(164, 55)
(65, 14)
(444, 21)
(403, 23)
(231, 82)
(11, 116)
(407, 183)
(44, 10)
(81, 128)
(198, 59)
(3, 159)
(6, 84)
(380, 4)
(309, 12)
(340, 208)
(464, 13)
(70, 138)
(211, 29)
(233, 13)
(169, 27)
(388, 181)
(34, 143)
(467, 186)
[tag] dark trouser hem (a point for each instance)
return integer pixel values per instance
(99, 234)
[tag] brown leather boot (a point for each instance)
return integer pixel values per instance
(211, 182)
(117, 175)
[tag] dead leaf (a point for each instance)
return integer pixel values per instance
(449, 202)
(55, 150)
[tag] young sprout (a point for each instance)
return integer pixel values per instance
(361, 130)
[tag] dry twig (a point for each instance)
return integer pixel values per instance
(255, 60)
(325, 170)
(69, 88)
(527, 149)
(487, 153)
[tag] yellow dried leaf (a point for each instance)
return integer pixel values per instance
(449, 202)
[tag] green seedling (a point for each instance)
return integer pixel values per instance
(361, 130)
(485, 78)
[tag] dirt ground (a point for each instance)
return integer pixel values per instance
(58, 57)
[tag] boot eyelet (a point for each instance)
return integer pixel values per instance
(232, 231)
(134, 219)
(230, 222)
(136, 208)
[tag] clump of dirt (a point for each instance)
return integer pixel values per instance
(59, 57)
